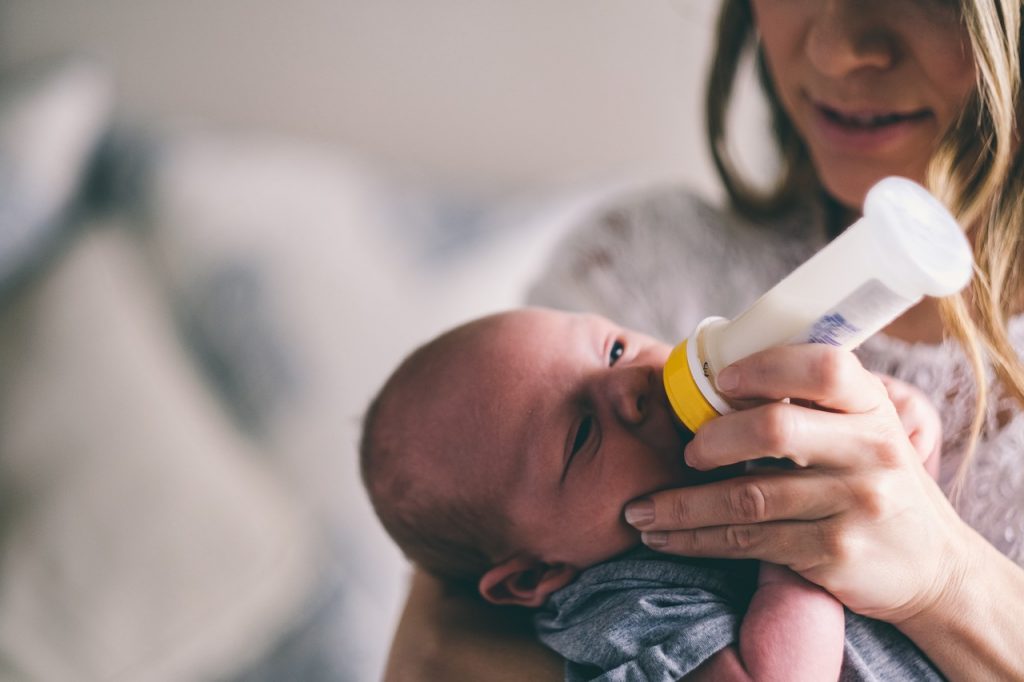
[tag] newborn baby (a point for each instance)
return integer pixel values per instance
(502, 454)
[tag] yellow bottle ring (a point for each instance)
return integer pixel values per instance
(687, 401)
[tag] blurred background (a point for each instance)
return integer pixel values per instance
(222, 223)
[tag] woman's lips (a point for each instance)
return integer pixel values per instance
(865, 130)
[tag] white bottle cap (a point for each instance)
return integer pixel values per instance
(918, 232)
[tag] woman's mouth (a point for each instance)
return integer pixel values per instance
(870, 119)
(866, 130)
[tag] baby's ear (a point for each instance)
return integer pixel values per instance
(524, 581)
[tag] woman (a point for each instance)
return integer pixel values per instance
(859, 89)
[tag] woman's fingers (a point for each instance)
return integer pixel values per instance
(745, 500)
(800, 545)
(817, 373)
(806, 436)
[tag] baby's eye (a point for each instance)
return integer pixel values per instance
(618, 348)
(582, 434)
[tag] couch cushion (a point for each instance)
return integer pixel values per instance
(142, 537)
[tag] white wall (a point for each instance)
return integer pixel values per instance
(511, 93)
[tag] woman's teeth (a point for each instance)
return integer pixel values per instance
(870, 120)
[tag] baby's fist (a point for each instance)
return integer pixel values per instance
(920, 420)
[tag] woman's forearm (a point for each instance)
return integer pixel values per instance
(444, 635)
(973, 632)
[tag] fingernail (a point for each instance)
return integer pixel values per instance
(686, 456)
(640, 513)
(727, 379)
(655, 538)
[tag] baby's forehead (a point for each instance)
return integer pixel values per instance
(465, 375)
(467, 410)
(526, 326)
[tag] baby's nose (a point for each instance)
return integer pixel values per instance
(629, 390)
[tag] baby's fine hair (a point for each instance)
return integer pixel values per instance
(457, 537)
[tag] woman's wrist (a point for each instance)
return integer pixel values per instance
(971, 630)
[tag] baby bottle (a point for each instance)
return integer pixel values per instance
(906, 246)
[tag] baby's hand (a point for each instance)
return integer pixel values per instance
(920, 420)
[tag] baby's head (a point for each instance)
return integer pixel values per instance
(503, 451)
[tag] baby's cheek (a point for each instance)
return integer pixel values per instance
(614, 534)
(624, 538)
(599, 538)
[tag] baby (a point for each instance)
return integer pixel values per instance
(502, 453)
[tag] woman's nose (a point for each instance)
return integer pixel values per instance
(845, 36)
(629, 391)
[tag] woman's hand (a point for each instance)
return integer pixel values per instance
(920, 420)
(860, 516)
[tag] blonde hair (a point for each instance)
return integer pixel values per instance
(977, 170)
